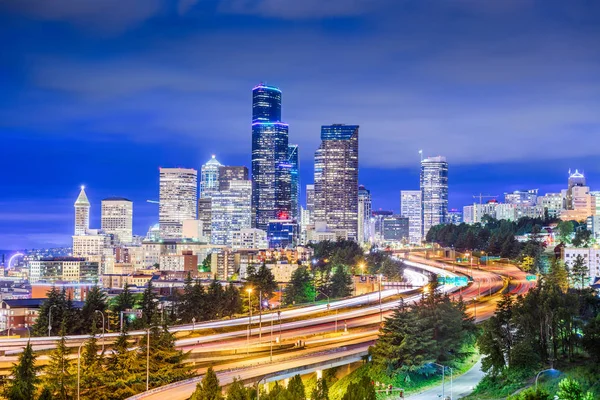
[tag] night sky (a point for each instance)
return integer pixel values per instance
(102, 94)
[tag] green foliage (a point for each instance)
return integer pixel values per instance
(208, 388)
(591, 338)
(58, 374)
(46, 394)
(361, 390)
(565, 231)
(262, 280)
(579, 271)
(341, 283)
(237, 391)
(435, 329)
(60, 306)
(24, 380)
(569, 389)
(583, 238)
(301, 288)
(531, 394)
(149, 307)
(94, 301)
(296, 388)
(91, 385)
(496, 341)
(321, 391)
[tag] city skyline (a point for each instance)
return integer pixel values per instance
(484, 97)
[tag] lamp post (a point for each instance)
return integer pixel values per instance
(50, 319)
(148, 361)
(380, 309)
(271, 355)
(249, 290)
(79, 367)
(538, 376)
(443, 378)
(475, 307)
(259, 315)
(101, 313)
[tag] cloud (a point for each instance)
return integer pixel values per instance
(106, 16)
(305, 9)
(35, 240)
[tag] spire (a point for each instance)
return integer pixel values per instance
(82, 199)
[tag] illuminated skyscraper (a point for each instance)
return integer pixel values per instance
(434, 192)
(178, 200)
(209, 180)
(231, 173)
(410, 207)
(294, 181)
(117, 218)
(82, 213)
(271, 179)
(364, 215)
(576, 179)
(231, 211)
(336, 179)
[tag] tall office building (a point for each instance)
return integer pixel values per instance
(434, 192)
(117, 218)
(310, 202)
(231, 211)
(294, 181)
(364, 215)
(178, 200)
(336, 178)
(231, 173)
(576, 179)
(271, 180)
(82, 213)
(410, 207)
(209, 177)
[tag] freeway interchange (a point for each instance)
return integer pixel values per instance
(311, 338)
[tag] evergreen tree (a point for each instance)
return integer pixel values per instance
(232, 302)
(262, 280)
(94, 301)
(91, 369)
(24, 380)
(237, 391)
(46, 394)
(215, 295)
(558, 275)
(341, 283)
(123, 372)
(149, 305)
(579, 270)
(208, 388)
(301, 288)
(321, 391)
(296, 388)
(361, 390)
(124, 300)
(167, 364)
(591, 338)
(55, 304)
(186, 310)
(569, 389)
(58, 376)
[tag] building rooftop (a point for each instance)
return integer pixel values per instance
(82, 199)
(116, 199)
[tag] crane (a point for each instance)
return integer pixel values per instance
(482, 196)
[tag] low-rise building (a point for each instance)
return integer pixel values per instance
(64, 269)
(250, 238)
(591, 256)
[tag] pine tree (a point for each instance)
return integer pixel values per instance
(237, 391)
(262, 280)
(301, 288)
(579, 270)
(58, 376)
(167, 364)
(55, 304)
(46, 394)
(208, 388)
(149, 305)
(341, 283)
(321, 391)
(232, 301)
(296, 388)
(94, 301)
(361, 390)
(23, 384)
(215, 296)
(91, 369)
(123, 372)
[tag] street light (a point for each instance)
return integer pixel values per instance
(380, 309)
(538, 376)
(79, 367)
(475, 307)
(443, 378)
(249, 290)
(50, 319)
(148, 361)
(101, 313)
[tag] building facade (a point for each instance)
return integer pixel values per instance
(250, 238)
(364, 215)
(117, 218)
(282, 234)
(209, 177)
(336, 178)
(294, 162)
(178, 200)
(522, 197)
(591, 257)
(228, 173)
(410, 207)
(231, 211)
(434, 192)
(395, 228)
(271, 179)
(82, 213)
(63, 269)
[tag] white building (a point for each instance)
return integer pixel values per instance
(194, 229)
(231, 211)
(95, 247)
(82, 213)
(553, 202)
(209, 179)
(249, 238)
(178, 200)
(63, 269)
(469, 214)
(117, 218)
(410, 207)
(434, 192)
(591, 256)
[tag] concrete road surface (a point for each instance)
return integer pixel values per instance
(462, 385)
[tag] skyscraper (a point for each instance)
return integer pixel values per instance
(271, 187)
(209, 180)
(231, 211)
(576, 179)
(82, 213)
(336, 178)
(294, 181)
(178, 200)
(364, 215)
(231, 173)
(117, 218)
(410, 207)
(310, 201)
(434, 192)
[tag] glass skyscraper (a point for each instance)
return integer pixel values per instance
(294, 181)
(364, 215)
(434, 192)
(271, 171)
(336, 179)
(209, 178)
(178, 196)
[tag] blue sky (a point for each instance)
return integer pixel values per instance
(102, 94)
